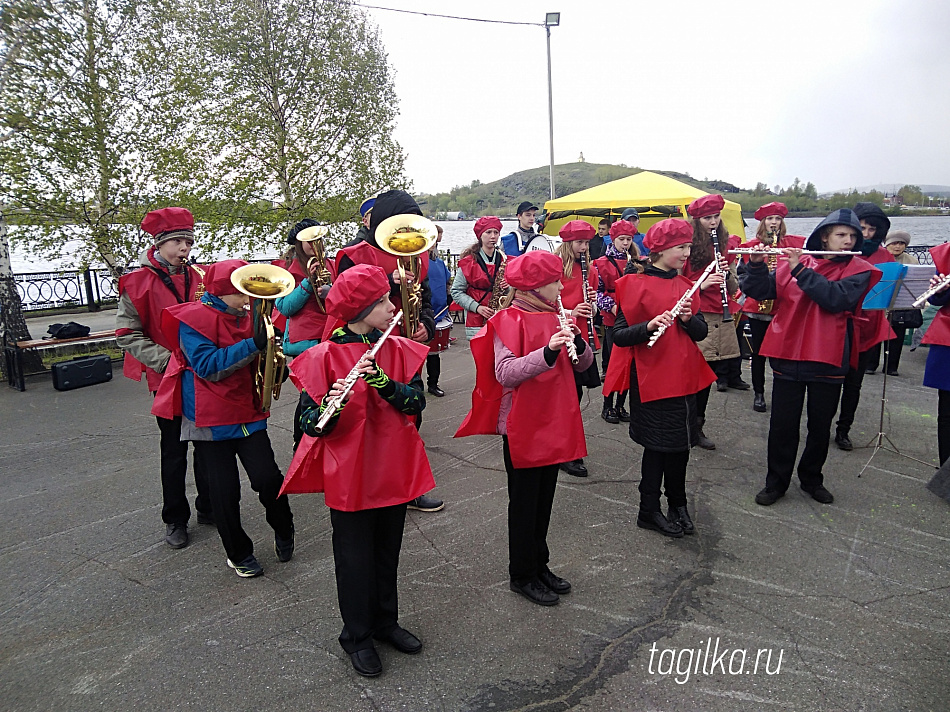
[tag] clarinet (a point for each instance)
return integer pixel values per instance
(566, 324)
(726, 314)
(590, 319)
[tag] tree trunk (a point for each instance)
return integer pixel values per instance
(12, 324)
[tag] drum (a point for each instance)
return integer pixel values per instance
(545, 243)
(441, 340)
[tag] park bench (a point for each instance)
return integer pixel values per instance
(13, 353)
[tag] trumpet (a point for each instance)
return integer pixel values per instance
(678, 307)
(316, 266)
(332, 404)
(265, 283)
(724, 290)
(408, 237)
(938, 287)
(566, 323)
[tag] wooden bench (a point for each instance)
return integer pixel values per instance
(13, 353)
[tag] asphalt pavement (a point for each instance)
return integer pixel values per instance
(798, 606)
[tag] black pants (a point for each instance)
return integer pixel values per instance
(788, 401)
(174, 459)
(728, 370)
(702, 400)
(662, 468)
(224, 481)
(943, 425)
(530, 500)
(758, 327)
(894, 348)
(851, 393)
(433, 369)
(608, 347)
(366, 546)
(298, 431)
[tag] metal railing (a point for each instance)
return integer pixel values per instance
(90, 288)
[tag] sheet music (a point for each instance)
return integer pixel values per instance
(915, 283)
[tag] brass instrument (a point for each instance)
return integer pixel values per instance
(938, 287)
(681, 302)
(724, 290)
(331, 405)
(566, 323)
(766, 305)
(408, 237)
(497, 290)
(200, 289)
(265, 283)
(586, 290)
(317, 266)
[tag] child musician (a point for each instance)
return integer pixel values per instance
(478, 269)
(523, 367)
(721, 346)
(772, 233)
(575, 241)
(211, 375)
(368, 459)
(663, 378)
(937, 373)
(811, 343)
(610, 268)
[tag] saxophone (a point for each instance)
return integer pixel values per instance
(766, 305)
(497, 290)
(200, 289)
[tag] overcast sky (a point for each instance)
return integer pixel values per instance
(836, 92)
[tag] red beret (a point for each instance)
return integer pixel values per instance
(622, 227)
(218, 277)
(533, 270)
(577, 230)
(355, 290)
(668, 233)
(486, 223)
(707, 205)
(169, 220)
(771, 209)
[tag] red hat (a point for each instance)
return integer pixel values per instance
(218, 277)
(771, 209)
(169, 223)
(577, 230)
(486, 223)
(622, 227)
(707, 205)
(534, 269)
(668, 233)
(356, 290)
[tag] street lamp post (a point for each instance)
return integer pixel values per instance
(551, 19)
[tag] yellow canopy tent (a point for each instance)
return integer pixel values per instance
(655, 197)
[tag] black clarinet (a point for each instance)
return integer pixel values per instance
(590, 320)
(726, 314)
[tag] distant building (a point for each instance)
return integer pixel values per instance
(580, 158)
(455, 215)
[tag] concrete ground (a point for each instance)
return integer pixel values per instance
(848, 603)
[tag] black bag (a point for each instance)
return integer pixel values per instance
(907, 318)
(81, 371)
(69, 330)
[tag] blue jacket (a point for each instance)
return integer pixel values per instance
(439, 279)
(290, 305)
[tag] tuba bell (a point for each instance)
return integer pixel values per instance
(317, 266)
(408, 237)
(265, 283)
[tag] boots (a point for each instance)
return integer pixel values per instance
(680, 515)
(704, 442)
(758, 404)
(842, 440)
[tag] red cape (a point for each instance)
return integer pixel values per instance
(374, 456)
(609, 274)
(479, 286)
(710, 300)
(544, 425)
(750, 305)
(939, 330)
(873, 327)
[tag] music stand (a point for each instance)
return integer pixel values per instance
(898, 289)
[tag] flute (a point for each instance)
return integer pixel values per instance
(332, 404)
(938, 287)
(590, 319)
(678, 307)
(781, 251)
(724, 290)
(566, 323)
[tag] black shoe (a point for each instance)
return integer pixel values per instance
(722, 386)
(555, 583)
(843, 441)
(680, 515)
(623, 415)
(176, 535)
(820, 494)
(704, 442)
(739, 384)
(768, 497)
(536, 592)
(436, 391)
(657, 522)
(425, 503)
(402, 640)
(610, 415)
(284, 548)
(366, 662)
(249, 568)
(869, 371)
(574, 467)
(758, 403)
(893, 373)
(206, 518)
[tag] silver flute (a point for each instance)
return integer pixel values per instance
(566, 323)
(939, 286)
(781, 251)
(678, 307)
(331, 404)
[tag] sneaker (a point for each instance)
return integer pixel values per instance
(820, 494)
(425, 503)
(610, 415)
(249, 568)
(623, 415)
(284, 548)
(176, 535)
